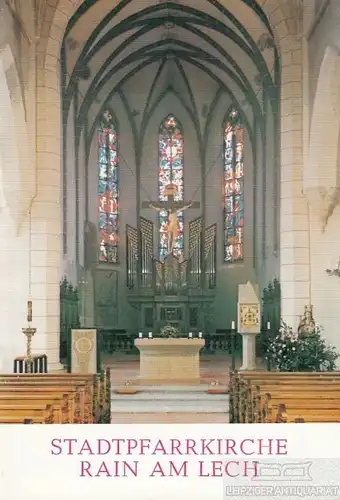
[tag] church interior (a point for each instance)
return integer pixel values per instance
(168, 169)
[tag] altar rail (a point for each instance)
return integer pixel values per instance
(111, 340)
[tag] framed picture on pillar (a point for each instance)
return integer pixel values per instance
(249, 316)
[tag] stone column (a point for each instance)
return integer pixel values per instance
(294, 230)
(46, 209)
(248, 351)
(285, 18)
(46, 227)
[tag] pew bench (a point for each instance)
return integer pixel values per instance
(265, 401)
(77, 407)
(323, 415)
(47, 413)
(261, 397)
(60, 404)
(72, 398)
(264, 398)
(19, 420)
(312, 408)
(96, 387)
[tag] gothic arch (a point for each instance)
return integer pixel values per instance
(18, 177)
(279, 16)
(321, 177)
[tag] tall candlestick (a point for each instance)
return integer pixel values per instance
(29, 311)
(29, 332)
(233, 325)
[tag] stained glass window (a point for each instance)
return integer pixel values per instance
(170, 149)
(108, 189)
(233, 187)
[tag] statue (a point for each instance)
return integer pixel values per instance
(173, 208)
(172, 227)
(307, 323)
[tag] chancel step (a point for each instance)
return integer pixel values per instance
(175, 400)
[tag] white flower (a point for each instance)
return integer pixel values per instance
(293, 349)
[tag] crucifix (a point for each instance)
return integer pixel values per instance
(173, 208)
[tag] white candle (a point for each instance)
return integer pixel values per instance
(199, 335)
(233, 325)
(140, 335)
(190, 335)
(268, 325)
(150, 335)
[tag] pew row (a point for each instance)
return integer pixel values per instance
(275, 397)
(58, 398)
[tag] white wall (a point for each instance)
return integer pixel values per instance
(321, 176)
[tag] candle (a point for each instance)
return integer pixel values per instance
(199, 335)
(140, 335)
(29, 311)
(150, 335)
(190, 335)
(233, 325)
(268, 325)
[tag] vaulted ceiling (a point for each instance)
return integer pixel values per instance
(179, 47)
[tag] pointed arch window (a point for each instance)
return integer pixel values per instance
(233, 187)
(170, 171)
(108, 188)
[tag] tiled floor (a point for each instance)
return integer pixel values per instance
(126, 368)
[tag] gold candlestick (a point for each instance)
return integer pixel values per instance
(29, 332)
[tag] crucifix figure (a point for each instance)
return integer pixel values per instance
(173, 208)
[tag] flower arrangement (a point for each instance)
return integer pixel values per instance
(304, 352)
(169, 332)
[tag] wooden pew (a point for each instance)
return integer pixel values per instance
(65, 411)
(259, 402)
(97, 397)
(19, 420)
(76, 398)
(259, 396)
(47, 413)
(81, 385)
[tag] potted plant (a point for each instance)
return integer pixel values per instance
(305, 352)
(169, 332)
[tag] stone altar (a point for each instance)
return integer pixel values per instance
(169, 360)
